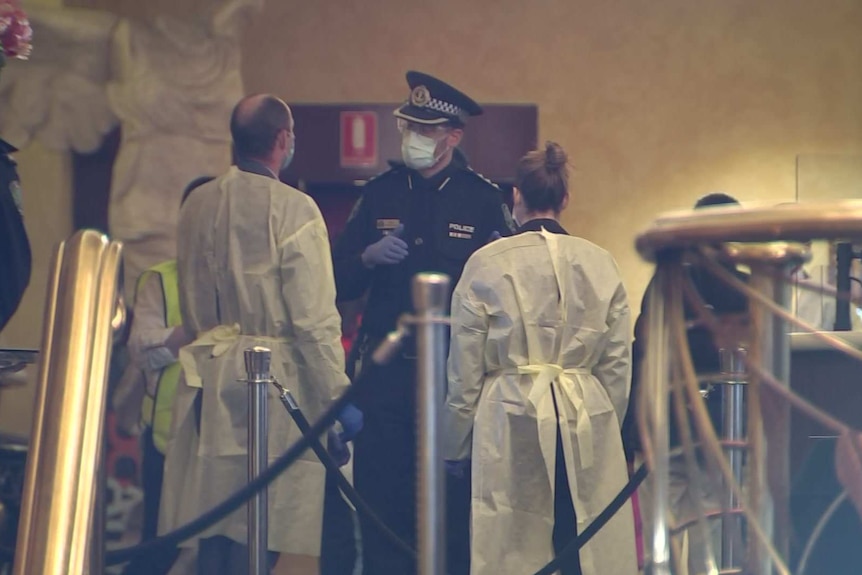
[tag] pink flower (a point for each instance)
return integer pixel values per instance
(15, 31)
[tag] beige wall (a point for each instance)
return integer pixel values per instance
(656, 102)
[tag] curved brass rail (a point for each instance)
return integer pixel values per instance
(788, 222)
(738, 235)
(59, 509)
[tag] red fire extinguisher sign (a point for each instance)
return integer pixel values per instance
(358, 139)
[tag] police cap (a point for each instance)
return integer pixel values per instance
(433, 101)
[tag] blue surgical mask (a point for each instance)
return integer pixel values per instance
(289, 157)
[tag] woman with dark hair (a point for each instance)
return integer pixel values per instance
(539, 373)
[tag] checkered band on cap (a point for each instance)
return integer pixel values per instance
(432, 101)
(444, 107)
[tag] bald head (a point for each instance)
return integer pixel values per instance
(257, 125)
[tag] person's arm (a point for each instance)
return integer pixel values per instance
(466, 372)
(15, 257)
(308, 292)
(152, 344)
(630, 431)
(613, 369)
(352, 277)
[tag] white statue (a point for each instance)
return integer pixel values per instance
(169, 84)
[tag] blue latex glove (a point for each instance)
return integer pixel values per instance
(495, 235)
(351, 420)
(458, 469)
(389, 250)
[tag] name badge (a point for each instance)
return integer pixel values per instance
(388, 224)
(461, 231)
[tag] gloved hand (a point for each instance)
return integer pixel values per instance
(389, 250)
(495, 235)
(351, 420)
(458, 469)
(337, 449)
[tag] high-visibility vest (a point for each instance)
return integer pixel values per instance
(156, 409)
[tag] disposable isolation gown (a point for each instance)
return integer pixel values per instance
(254, 269)
(538, 316)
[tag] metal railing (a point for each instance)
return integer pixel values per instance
(430, 298)
(61, 526)
(705, 238)
(60, 530)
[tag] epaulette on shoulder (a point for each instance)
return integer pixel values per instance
(484, 179)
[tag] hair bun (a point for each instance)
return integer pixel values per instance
(555, 156)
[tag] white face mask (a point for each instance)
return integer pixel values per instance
(285, 162)
(418, 151)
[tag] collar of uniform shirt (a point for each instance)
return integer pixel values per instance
(255, 167)
(435, 182)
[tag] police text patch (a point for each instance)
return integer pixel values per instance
(462, 231)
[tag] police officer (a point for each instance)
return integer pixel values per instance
(14, 245)
(428, 214)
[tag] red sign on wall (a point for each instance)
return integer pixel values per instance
(358, 139)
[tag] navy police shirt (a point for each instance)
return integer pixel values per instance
(445, 217)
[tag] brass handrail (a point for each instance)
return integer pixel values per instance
(59, 505)
(737, 235)
(784, 223)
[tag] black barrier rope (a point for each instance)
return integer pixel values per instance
(241, 496)
(361, 505)
(7, 554)
(601, 519)
(310, 438)
(343, 484)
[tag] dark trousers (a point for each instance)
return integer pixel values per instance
(458, 500)
(384, 472)
(160, 560)
(384, 464)
(565, 522)
(221, 555)
(389, 487)
(338, 541)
